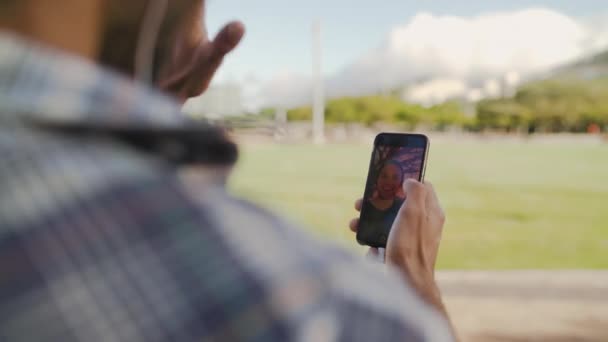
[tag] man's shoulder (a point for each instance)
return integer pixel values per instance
(45, 172)
(94, 212)
(270, 243)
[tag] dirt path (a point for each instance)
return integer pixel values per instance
(528, 305)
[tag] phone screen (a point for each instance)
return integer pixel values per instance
(395, 158)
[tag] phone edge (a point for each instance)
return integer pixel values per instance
(422, 174)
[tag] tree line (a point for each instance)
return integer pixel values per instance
(573, 105)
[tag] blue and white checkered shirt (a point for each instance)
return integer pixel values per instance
(100, 240)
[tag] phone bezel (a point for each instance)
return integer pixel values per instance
(393, 139)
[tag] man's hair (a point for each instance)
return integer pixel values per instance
(6, 7)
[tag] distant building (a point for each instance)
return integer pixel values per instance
(219, 101)
(440, 90)
(435, 91)
(492, 88)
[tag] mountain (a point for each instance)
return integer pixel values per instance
(589, 68)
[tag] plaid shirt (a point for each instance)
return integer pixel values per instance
(100, 240)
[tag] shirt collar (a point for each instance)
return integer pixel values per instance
(39, 83)
(68, 94)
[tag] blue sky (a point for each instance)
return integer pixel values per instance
(278, 31)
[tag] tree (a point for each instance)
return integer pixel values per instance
(502, 114)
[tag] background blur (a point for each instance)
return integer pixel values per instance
(514, 96)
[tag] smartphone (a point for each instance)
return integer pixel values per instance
(395, 158)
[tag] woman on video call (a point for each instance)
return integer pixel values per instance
(386, 204)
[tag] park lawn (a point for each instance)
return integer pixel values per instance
(509, 205)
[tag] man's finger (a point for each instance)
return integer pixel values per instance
(209, 58)
(228, 38)
(358, 204)
(376, 254)
(354, 224)
(431, 194)
(416, 192)
(432, 201)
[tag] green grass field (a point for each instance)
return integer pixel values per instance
(508, 205)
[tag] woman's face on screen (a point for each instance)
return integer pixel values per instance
(389, 181)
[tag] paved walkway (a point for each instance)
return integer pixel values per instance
(527, 305)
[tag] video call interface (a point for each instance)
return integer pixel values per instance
(391, 166)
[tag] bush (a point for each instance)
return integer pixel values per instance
(550, 106)
(389, 109)
(502, 115)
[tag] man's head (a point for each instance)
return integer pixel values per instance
(110, 32)
(124, 28)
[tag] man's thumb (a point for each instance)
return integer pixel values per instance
(415, 192)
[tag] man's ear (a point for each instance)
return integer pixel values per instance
(122, 27)
(121, 24)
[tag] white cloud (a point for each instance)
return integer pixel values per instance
(287, 89)
(470, 50)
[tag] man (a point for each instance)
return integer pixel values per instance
(101, 239)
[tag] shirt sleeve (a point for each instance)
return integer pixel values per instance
(373, 303)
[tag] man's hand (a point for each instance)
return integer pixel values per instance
(195, 58)
(414, 239)
(415, 236)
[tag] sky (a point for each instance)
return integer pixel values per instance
(398, 41)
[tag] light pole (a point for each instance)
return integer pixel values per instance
(318, 113)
